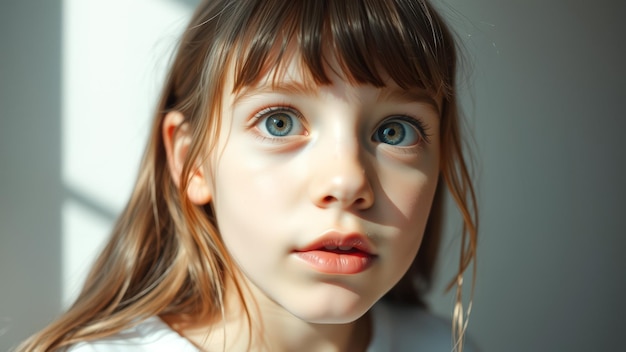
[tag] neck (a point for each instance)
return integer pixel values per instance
(268, 327)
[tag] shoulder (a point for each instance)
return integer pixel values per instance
(150, 335)
(409, 328)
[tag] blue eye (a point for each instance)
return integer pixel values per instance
(280, 122)
(400, 131)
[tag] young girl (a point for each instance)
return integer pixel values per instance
(290, 198)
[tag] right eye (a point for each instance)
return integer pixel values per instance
(280, 122)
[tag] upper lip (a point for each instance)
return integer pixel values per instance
(338, 240)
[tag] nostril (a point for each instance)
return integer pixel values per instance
(332, 199)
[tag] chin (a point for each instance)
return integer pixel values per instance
(332, 318)
(333, 311)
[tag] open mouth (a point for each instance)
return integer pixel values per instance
(338, 255)
(342, 249)
(337, 261)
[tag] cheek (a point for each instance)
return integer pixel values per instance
(406, 244)
(408, 191)
(254, 199)
(416, 205)
(243, 177)
(409, 194)
(413, 202)
(240, 203)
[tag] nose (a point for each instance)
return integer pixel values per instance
(341, 180)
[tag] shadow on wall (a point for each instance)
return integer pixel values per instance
(31, 192)
(190, 3)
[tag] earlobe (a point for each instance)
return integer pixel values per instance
(176, 139)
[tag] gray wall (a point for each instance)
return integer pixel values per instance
(547, 111)
(545, 101)
(30, 166)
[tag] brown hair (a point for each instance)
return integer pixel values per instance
(165, 255)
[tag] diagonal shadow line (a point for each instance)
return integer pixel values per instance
(91, 204)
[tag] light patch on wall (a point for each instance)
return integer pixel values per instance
(115, 55)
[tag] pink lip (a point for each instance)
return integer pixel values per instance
(327, 256)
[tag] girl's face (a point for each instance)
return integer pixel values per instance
(322, 194)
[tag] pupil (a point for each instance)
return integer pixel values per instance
(393, 133)
(279, 124)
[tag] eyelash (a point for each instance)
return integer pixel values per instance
(274, 108)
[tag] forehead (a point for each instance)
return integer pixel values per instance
(291, 76)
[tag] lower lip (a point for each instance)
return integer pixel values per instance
(337, 263)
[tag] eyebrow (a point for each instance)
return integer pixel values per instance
(409, 96)
(288, 87)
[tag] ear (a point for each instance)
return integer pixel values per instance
(177, 138)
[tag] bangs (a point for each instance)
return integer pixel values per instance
(372, 42)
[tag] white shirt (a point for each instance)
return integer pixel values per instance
(395, 329)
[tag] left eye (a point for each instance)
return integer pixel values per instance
(399, 132)
(280, 122)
